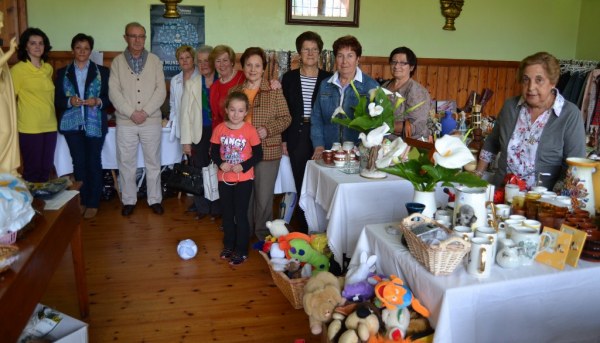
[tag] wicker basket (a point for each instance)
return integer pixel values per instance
(441, 259)
(8, 254)
(292, 289)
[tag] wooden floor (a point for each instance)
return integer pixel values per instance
(141, 291)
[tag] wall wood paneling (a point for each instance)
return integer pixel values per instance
(446, 79)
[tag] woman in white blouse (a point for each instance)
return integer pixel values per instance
(186, 58)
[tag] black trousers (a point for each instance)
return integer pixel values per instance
(235, 199)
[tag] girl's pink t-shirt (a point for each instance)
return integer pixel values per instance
(235, 147)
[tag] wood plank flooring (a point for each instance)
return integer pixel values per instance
(141, 291)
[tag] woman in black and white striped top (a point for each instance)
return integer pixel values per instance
(300, 88)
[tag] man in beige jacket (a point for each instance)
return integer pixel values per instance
(137, 91)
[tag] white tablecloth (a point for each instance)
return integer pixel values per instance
(170, 152)
(343, 204)
(536, 303)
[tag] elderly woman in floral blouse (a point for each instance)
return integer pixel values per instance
(537, 130)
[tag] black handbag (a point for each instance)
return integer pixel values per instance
(186, 178)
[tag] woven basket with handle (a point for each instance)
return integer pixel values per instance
(292, 289)
(439, 259)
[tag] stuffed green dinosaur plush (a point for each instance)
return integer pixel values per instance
(301, 250)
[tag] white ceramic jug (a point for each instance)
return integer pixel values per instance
(469, 207)
(579, 180)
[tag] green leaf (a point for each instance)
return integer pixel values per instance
(469, 180)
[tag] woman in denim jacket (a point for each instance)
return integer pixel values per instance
(337, 91)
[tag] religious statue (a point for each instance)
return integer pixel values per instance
(9, 136)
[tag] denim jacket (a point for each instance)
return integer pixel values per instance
(323, 132)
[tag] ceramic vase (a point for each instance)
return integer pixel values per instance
(368, 157)
(580, 183)
(448, 123)
(428, 199)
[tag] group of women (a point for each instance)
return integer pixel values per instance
(292, 117)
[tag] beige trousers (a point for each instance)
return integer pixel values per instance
(128, 138)
(261, 201)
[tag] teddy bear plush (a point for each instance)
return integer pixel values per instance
(277, 228)
(322, 293)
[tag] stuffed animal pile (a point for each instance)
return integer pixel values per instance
(377, 308)
(298, 254)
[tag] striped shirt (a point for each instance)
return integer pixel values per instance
(308, 87)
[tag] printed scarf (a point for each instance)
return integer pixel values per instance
(73, 119)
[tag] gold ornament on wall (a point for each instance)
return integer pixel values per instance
(171, 8)
(451, 10)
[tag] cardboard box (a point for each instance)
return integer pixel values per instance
(68, 330)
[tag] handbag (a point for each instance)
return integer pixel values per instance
(186, 178)
(210, 181)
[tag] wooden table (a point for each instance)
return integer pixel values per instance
(40, 253)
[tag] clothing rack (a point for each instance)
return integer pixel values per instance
(578, 65)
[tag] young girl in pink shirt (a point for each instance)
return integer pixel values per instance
(236, 150)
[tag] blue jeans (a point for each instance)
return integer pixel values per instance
(86, 153)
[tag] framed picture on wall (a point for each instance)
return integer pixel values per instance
(169, 34)
(322, 12)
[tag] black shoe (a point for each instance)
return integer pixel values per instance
(192, 208)
(127, 210)
(157, 208)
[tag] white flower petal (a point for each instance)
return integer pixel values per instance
(375, 110)
(386, 91)
(451, 152)
(397, 148)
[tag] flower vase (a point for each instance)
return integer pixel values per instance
(427, 199)
(368, 156)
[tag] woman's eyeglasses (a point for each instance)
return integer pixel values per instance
(400, 63)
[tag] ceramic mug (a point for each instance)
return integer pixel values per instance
(327, 156)
(508, 254)
(502, 211)
(510, 191)
(348, 145)
(534, 224)
(443, 215)
(517, 217)
(508, 225)
(528, 241)
(463, 232)
(336, 146)
(490, 234)
(480, 258)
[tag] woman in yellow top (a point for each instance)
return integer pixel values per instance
(36, 119)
